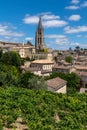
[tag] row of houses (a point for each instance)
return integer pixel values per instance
(24, 50)
(47, 67)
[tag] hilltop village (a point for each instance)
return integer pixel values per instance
(44, 61)
(41, 88)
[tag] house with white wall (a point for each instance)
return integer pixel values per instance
(41, 67)
(57, 85)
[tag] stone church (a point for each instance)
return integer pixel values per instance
(28, 49)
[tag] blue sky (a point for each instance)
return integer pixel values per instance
(64, 22)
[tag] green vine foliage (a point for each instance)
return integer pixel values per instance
(43, 110)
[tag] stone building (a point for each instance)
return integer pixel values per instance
(63, 69)
(57, 85)
(24, 50)
(41, 67)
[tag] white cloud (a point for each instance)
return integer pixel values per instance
(49, 20)
(31, 19)
(84, 4)
(78, 29)
(81, 36)
(50, 16)
(62, 41)
(34, 19)
(7, 37)
(75, 1)
(4, 31)
(83, 45)
(58, 39)
(3, 27)
(54, 23)
(66, 42)
(75, 17)
(75, 6)
(44, 13)
(29, 38)
(13, 39)
(72, 7)
(53, 36)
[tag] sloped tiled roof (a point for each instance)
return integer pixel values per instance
(62, 67)
(81, 67)
(56, 83)
(43, 62)
(83, 73)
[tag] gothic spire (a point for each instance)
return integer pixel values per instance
(39, 37)
(40, 23)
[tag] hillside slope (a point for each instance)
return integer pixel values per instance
(43, 110)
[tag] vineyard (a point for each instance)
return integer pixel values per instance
(42, 110)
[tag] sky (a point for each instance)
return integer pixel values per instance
(64, 22)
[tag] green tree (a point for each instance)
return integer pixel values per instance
(11, 58)
(3, 78)
(69, 59)
(45, 50)
(73, 82)
(1, 52)
(77, 47)
(37, 83)
(8, 75)
(23, 79)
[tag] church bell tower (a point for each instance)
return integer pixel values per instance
(39, 37)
